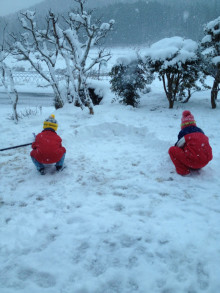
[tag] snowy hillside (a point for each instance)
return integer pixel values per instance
(118, 218)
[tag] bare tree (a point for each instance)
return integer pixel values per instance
(35, 47)
(73, 43)
(7, 80)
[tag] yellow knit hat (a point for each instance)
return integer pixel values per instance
(51, 122)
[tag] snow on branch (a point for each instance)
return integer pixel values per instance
(77, 18)
(174, 50)
(213, 26)
(71, 42)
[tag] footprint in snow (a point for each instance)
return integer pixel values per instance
(42, 279)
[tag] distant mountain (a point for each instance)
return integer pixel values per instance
(136, 21)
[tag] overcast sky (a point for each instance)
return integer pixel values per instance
(10, 6)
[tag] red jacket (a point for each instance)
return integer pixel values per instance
(198, 151)
(47, 148)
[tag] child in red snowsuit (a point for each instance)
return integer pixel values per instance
(192, 150)
(47, 147)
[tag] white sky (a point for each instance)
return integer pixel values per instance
(11, 6)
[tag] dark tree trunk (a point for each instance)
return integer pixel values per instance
(169, 88)
(171, 103)
(214, 93)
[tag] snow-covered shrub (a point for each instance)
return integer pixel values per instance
(177, 63)
(127, 78)
(210, 47)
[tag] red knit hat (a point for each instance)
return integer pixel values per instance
(187, 119)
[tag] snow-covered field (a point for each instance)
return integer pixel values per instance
(118, 218)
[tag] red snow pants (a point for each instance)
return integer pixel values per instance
(178, 158)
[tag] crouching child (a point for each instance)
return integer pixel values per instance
(47, 147)
(192, 151)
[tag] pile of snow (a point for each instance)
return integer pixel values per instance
(118, 218)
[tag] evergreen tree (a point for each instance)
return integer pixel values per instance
(210, 46)
(127, 79)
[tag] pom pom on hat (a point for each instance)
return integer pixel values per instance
(187, 119)
(51, 122)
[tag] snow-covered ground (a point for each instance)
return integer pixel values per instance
(118, 218)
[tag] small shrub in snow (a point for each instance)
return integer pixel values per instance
(127, 79)
(26, 113)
